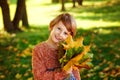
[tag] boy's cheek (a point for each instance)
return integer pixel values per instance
(64, 39)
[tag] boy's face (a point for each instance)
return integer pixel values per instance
(59, 32)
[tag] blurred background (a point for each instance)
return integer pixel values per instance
(24, 23)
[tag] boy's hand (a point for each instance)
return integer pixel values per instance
(69, 71)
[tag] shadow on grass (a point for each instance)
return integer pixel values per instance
(15, 53)
(105, 11)
(106, 53)
(94, 0)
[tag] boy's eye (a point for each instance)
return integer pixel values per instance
(65, 33)
(58, 28)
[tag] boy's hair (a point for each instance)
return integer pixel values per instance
(67, 20)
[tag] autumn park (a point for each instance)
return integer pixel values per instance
(24, 23)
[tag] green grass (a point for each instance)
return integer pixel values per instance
(106, 54)
(97, 21)
(92, 12)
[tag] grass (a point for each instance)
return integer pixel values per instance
(106, 54)
(98, 22)
(42, 12)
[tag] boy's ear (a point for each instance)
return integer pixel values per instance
(50, 28)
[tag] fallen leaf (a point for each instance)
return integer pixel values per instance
(18, 76)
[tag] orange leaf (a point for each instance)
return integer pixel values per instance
(69, 43)
(78, 42)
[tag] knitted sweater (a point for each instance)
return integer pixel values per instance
(45, 63)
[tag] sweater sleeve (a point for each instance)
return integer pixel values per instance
(40, 71)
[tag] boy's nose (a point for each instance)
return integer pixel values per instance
(61, 34)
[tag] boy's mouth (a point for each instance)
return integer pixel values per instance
(58, 38)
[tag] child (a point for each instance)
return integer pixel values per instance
(45, 64)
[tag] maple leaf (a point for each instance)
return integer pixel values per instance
(78, 42)
(69, 42)
(76, 54)
(18, 76)
(76, 59)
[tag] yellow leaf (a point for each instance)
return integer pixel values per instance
(18, 76)
(75, 60)
(69, 43)
(69, 39)
(66, 46)
(25, 66)
(2, 76)
(26, 74)
(31, 78)
(75, 44)
(78, 42)
(67, 66)
(26, 52)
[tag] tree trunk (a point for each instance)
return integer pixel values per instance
(73, 1)
(80, 2)
(8, 26)
(55, 1)
(20, 14)
(63, 5)
(25, 17)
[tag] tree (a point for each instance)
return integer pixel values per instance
(73, 1)
(63, 5)
(79, 2)
(21, 14)
(25, 18)
(8, 26)
(55, 1)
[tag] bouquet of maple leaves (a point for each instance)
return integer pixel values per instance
(74, 53)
